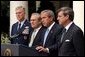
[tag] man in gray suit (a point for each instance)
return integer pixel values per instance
(72, 41)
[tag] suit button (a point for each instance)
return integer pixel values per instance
(16, 38)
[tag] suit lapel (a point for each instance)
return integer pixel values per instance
(16, 27)
(68, 33)
(38, 35)
(23, 27)
(50, 34)
(30, 35)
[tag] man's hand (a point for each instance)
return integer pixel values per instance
(42, 49)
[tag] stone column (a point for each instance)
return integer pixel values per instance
(13, 5)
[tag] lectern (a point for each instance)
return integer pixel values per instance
(19, 50)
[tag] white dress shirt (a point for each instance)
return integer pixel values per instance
(34, 35)
(67, 27)
(47, 32)
(22, 23)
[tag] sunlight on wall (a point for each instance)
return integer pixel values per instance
(78, 7)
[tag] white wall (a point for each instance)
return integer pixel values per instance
(13, 5)
(78, 7)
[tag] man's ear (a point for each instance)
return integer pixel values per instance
(67, 16)
(51, 18)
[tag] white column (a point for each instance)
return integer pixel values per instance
(78, 7)
(37, 5)
(13, 5)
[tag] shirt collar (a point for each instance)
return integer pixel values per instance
(51, 26)
(37, 29)
(67, 27)
(22, 22)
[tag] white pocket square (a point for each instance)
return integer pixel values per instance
(67, 40)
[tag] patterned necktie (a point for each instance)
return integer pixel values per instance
(63, 33)
(45, 36)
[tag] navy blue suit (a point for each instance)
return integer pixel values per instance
(37, 37)
(51, 41)
(20, 38)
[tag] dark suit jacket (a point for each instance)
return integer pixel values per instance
(20, 39)
(51, 41)
(73, 42)
(37, 38)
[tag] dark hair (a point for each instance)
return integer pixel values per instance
(67, 11)
(44, 5)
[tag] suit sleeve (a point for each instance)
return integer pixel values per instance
(78, 41)
(12, 30)
(54, 47)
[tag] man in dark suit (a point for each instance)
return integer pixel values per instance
(50, 35)
(72, 41)
(36, 33)
(20, 29)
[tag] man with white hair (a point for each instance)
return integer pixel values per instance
(36, 33)
(20, 29)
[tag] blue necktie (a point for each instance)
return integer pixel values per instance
(19, 26)
(45, 36)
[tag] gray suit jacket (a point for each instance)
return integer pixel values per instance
(73, 42)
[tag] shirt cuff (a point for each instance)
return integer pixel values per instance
(47, 50)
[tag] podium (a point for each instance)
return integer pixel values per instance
(19, 50)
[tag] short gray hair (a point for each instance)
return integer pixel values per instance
(19, 7)
(36, 14)
(49, 12)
